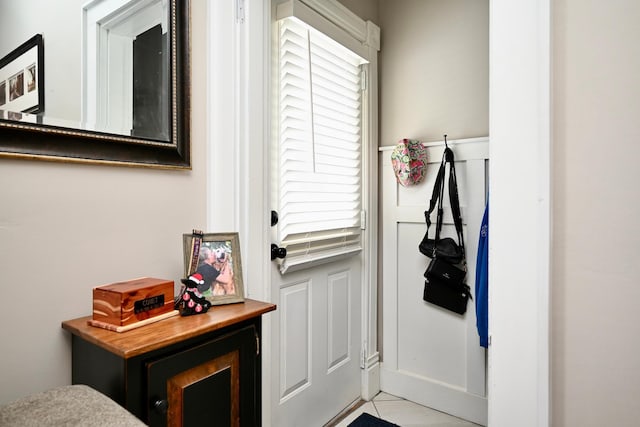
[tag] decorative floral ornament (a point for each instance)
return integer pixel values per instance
(409, 161)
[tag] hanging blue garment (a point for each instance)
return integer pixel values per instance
(482, 281)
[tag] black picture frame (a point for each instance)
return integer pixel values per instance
(29, 137)
(22, 78)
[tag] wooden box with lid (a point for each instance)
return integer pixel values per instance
(132, 301)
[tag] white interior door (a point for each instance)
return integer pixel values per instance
(430, 355)
(320, 171)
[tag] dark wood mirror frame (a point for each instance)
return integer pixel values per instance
(44, 142)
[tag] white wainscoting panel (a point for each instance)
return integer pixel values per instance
(422, 328)
(430, 355)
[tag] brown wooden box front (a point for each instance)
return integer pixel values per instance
(124, 303)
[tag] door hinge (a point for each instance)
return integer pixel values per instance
(240, 11)
(257, 344)
(363, 220)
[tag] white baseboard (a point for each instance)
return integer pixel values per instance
(371, 379)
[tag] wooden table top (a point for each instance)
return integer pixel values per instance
(168, 331)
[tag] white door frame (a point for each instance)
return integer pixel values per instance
(520, 114)
(108, 31)
(519, 194)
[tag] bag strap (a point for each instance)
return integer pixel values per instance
(436, 198)
(440, 215)
(454, 198)
(438, 195)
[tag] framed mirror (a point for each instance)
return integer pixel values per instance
(96, 81)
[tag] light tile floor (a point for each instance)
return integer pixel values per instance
(405, 413)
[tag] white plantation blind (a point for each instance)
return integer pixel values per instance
(319, 159)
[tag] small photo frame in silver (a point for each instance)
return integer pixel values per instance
(216, 257)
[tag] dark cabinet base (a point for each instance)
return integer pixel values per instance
(218, 388)
(203, 378)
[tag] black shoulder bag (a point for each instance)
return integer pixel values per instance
(444, 285)
(445, 248)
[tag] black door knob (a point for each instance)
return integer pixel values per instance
(161, 406)
(274, 218)
(277, 252)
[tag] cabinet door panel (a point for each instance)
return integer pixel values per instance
(211, 384)
(210, 388)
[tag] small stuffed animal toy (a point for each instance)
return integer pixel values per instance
(191, 300)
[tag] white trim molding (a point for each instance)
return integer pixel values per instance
(225, 80)
(519, 200)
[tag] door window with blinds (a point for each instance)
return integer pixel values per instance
(319, 158)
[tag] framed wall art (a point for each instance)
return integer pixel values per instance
(216, 257)
(22, 79)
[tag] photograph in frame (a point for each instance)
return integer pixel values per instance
(216, 257)
(22, 78)
(3, 93)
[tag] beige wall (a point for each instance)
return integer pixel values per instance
(65, 228)
(434, 69)
(596, 244)
(365, 9)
